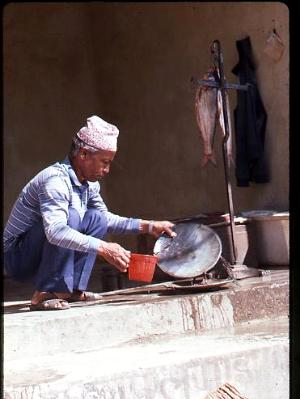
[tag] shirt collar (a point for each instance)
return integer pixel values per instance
(67, 164)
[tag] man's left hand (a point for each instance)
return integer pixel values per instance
(157, 227)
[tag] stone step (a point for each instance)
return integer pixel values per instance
(252, 356)
(141, 316)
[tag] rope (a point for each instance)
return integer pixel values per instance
(227, 266)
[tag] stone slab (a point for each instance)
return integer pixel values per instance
(93, 326)
(253, 356)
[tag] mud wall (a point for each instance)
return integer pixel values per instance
(131, 63)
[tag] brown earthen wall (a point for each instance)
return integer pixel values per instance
(131, 63)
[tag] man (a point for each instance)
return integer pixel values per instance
(57, 225)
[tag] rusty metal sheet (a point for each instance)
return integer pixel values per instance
(206, 285)
(152, 292)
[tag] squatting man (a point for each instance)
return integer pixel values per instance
(57, 225)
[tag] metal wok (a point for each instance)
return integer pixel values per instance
(195, 250)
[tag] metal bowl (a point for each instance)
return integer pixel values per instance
(195, 250)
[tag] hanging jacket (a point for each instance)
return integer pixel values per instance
(250, 119)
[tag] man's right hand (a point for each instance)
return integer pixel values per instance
(114, 254)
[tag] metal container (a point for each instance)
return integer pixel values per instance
(195, 250)
(272, 238)
(245, 243)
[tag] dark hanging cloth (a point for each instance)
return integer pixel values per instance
(250, 119)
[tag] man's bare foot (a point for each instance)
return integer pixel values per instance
(83, 296)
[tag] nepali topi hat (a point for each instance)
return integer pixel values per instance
(99, 134)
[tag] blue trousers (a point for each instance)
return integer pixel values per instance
(50, 267)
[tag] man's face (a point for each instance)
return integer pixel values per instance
(95, 165)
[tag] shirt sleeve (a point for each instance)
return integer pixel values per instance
(54, 198)
(116, 224)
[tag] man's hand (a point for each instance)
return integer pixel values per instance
(157, 227)
(114, 254)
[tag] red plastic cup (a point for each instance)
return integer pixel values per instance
(141, 267)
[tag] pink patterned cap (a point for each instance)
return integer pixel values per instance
(99, 134)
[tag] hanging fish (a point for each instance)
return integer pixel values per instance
(222, 125)
(209, 113)
(206, 114)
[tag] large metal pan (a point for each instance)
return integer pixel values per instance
(195, 250)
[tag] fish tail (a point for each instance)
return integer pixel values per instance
(208, 158)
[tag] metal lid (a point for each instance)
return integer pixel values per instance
(194, 251)
(267, 215)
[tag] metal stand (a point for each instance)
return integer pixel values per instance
(238, 271)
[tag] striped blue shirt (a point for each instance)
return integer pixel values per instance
(48, 196)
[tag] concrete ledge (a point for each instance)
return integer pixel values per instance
(99, 326)
(252, 356)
